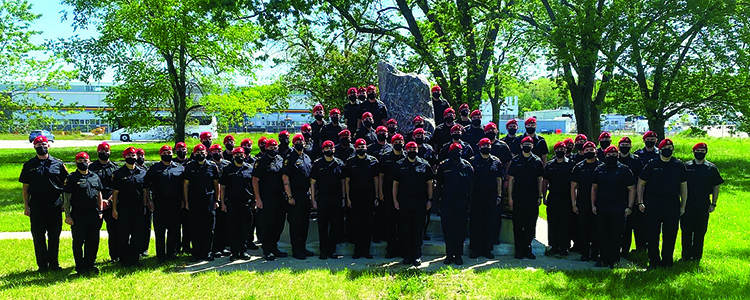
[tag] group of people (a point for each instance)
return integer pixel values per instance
(370, 182)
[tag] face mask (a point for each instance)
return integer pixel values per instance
(82, 166)
(352, 98)
(262, 148)
(229, 147)
(568, 150)
(140, 160)
(104, 156)
(239, 159)
(283, 142)
(181, 154)
(649, 144)
(605, 144)
(307, 135)
(344, 142)
(476, 122)
(199, 157)
(560, 154)
(611, 161)
(530, 130)
(216, 156)
(299, 147)
(490, 135)
(455, 155)
(700, 155)
(589, 155)
(666, 152)
(512, 131)
(449, 119)
(436, 95)
(367, 123)
(484, 151)
(41, 150)
(465, 113)
(318, 117)
(207, 144)
(130, 160)
(419, 141)
(391, 130)
(328, 153)
(166, 158)
(398, 147)
(371, 96)
(456, 136)
(579, 147)
(335, 120)
(361, 152)
(381, 137)
(418, 125)
(247, 150)
(526, 149)
(361, 97)
(412, 155)
(271, 153)
(624, 150)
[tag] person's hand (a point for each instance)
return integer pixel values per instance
(429, 205)
(395, 204)
(27, 211)
(539, 201)
(642, 207)
(593, 209)
(101, 216)
(258, 203)
(291, 201)
(348, 203)
(69, 221)
(114, 214)
(510, 202)
(216, 205)
(223, 207)
(105, 204)
(575, 209)
(499, 199)
(505, 184)
(187, 205)
(151, 205)
(628, 211)
(376, 202)
(314, 204)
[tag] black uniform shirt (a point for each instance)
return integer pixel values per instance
(361, 172)
(46, 179)
(268, 172)
(646, 156)
(201, 181)
(130, 185)
(317, 130)
(165, 181)
(578, 157)
(328, 176)
(412, 180)
(297, 167)
(634, 163)
(368, 134)
(486, 172)
(439, 107)
(558, 176)
(387, 163)
(426, 152)
(466, 150)
(377, 109)
(84, 190)
(702, 178)
(509, 140)
(441, 135)
(540, 145)
(663, 178)
(612, 187)
(455, 180)
(462, 122)
(472, 136)
(350, 116)
(501, 150)
(105, 172)
(343, 153)
(525, 171)
(330, 132)
(377, 150)
(238, 183)
(583, 175)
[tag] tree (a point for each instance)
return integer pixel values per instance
(165, 54)
(23, 76)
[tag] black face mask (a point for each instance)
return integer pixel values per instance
(166, 158)
(41, 150)
(328, 153)
(569, 150)
(512, 131)
(699, 155)
(465, 113)
(418, 125)
(335, 120)
(649, 144)
(530, 130)
(456, 136)
(435, 95)
(419, 141)
(381, 137)
(589, 155)
(449, 119)
(579, 147)
(307, 135)
(605, 144)
(262, 149)
(391, 130)
(216, 156)
(455, 155)
(283, 142)
(82, 166)
(624, 150)
(207, 144)
(299, 146)
(140, 160)
(412, 155)
(484, 151)
(398, 147)
(104, 156)
(371, 96)
(476, 122)
(352, 98)
(490, 135)
(271, 153)
(666, 152)
(361, 97)
(610, 161)
(318, 117)
(181, 154)
(344, 142)
(199, 157)
(361, 152)
(239, 159)
(526, 149)
(247, 150)
(367, 123)
(130, 160)
(559, 154)
(229, 147)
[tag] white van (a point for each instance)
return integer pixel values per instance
(196, 125)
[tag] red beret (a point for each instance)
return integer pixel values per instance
(610, 149)
(366, 115)
(527, 139)
(649, 134)
(228, 138)
(449, 110)
(455, 146)
(140, 151)
(381, 128)
(417, 118)
(262, 141)
(271, 143)
(391, 121)
(457, 128)
(396, 137)
(128, 151)
(83, 155)
(361, 89)
(370, 88)
(298, 137)
(180, 145)
(568, 141)
(559, 145)
(238, 150)
(484, 141)
(284, 133)
(199, 147)
(246, 142)
(700, 145)
(436, 88)
(463, 105)
(40, 139)
(360, 142)
(531, 120)
(334, 111)
(165, 148)
(511, 122)
(489, 126)
(352, 90)
(306, 127)
(475, 112)
(604, 135)
(624, 139)
(318, 107)
(215, 147)
(581, 137)
(589, 145)
(418, 131)
(327, 144)
(665, 142)
(345, 133)
(410, 145)
(102, 147)
(205, 135)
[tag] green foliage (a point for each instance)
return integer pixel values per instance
(237, 103)
(692, 132)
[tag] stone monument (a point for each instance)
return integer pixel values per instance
(405, 95)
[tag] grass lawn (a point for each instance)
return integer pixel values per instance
(724, 272)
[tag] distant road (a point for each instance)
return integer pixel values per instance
(18, 144)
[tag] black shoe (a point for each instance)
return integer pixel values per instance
(368, 256)
(389, 255)
(323, 257)
(94, 271)
(585, 258)
(474, 254)
(233, 258)
(529, 255)
(299, 256)
(551, 252)
(42, 270)
(425, 237)
(624, 254)
(563, 252)
(252, 246)
(334, 256)
(573, 249)
(448, 260)
(243, 256)
(308, 252)
(651, 267)
(269, 257)
(407, 261)
(458, 260)
(160, 260)
(208, 258)
(489, 255)
(226, 252)
(55, 269)
(278, 253)
(375, 240)
(496, 242)
(417, 262)
(356, 256)
(518, 256)
(144, 254)
(598, 264)
(195, 259)
(216, 254)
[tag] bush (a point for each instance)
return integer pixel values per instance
(692, 132)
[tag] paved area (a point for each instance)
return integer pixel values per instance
(18, 144)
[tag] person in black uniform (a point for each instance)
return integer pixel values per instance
(499, 148)
(361, 173)
(129, 200)
(540, 144)
(206, 138)
(164, 180)
(439, 104)
(418, 122)
(474, 131)
(412, 197)
(366, 132)
(580, 140)
(201, 193)
(351, 111)
(557, 183)
(82, 203)
(374, 106)
(581, 179)
(180, 150)
(105, 168)
(228, 147)
(463, 112)
(569, 146)
(330, 131)
(381, 146)
(390, 213)
(703, 192)
(510, 139)
(219, 244)
(236, 195)
(575, 228)
(140, 161)
(379, 149)
(605, 140)
(343, 149)
(247, 148)
(306, 131)
(442, 132)
(327, 196)
(525, 192)
(456, 135)
(392, 126)
(488, 188)
(296, 177)
(634, 223)
(662, 196)
(612, 195)
(262, 147)
(317, 126)
(649, 152)
(284, 149)
(455, 180)
(426, 152)
(270, 199)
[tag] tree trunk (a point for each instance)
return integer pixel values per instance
(656, 124)
(179, 127)
(587, 114)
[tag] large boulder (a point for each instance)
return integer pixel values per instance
(406, 95)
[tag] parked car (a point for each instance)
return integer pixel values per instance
(36, 133)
